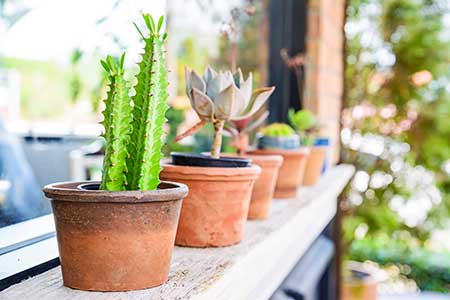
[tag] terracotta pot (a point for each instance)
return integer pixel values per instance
(314, 165)
(115, 241)
(264, 187)
(359, 290)
(214, 212)
(291, 171)
(362, 286)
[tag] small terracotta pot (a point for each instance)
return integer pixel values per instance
(364, 286)
(115, 241)
(314, 165)
(264, 187)
(291, 171)
(215, 211)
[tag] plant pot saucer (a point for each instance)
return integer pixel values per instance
(202, 160)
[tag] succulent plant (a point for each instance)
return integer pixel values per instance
(219, 97)
(278, 130)
(133, 134)
(302, 120)
(305, 123)
(278, 136)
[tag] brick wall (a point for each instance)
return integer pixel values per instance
(324, 65)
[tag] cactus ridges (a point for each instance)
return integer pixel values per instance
(148, 112)
(117, 119)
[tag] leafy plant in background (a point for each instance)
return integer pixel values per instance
(429, 269)
(175, 117)
(396, 125)
(305, 123)
(221, 97)
(75, 79)
(133, 134)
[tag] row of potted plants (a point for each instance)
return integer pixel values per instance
(118, 234)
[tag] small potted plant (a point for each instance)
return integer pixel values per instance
(281, 139)
(264, 187)
(306, 125)
(360, 281)
(215, 211)
(118, 234)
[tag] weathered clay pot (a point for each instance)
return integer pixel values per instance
(115, 241)
(362, 283)
(265, 184)
(314, 165)
(215, 211)
(291, 171)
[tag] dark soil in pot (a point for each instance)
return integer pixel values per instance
(115, 241)
(203, 160)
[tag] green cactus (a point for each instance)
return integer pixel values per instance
(133, 134)
(150, 106)
(117, 118)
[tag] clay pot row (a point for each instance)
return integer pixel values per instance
(116, 241)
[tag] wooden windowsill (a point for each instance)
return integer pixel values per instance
(252, 269)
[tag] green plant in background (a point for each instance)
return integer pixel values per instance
(305, 123)
(278, 130)
(175, 117)
(134, 134)
(429, 269)
(75, 82)
(221, 97)
(401, 99)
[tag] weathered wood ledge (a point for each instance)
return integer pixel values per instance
(252, 269)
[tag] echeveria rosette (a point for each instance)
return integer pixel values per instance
(218, 97)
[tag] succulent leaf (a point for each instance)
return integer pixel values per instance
(302, 120)
(259, 97)
(202, 105)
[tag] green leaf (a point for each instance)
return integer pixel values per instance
(105, 66)
(160, 22)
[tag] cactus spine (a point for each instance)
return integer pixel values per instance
(134, 133)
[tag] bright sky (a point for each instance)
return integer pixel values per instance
(53, 28)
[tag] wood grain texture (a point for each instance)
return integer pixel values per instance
(252, 269)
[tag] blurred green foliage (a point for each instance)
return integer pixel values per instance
(398, 54)
(429, 269)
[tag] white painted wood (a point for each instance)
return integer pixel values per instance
(252, 269)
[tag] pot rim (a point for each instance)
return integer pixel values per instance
(69, 191)
(234, 174)
(269, 160)
(299, 151)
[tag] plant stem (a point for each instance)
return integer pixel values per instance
(217, 143)
(190, 131)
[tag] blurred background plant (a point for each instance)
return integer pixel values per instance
(396, 128)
